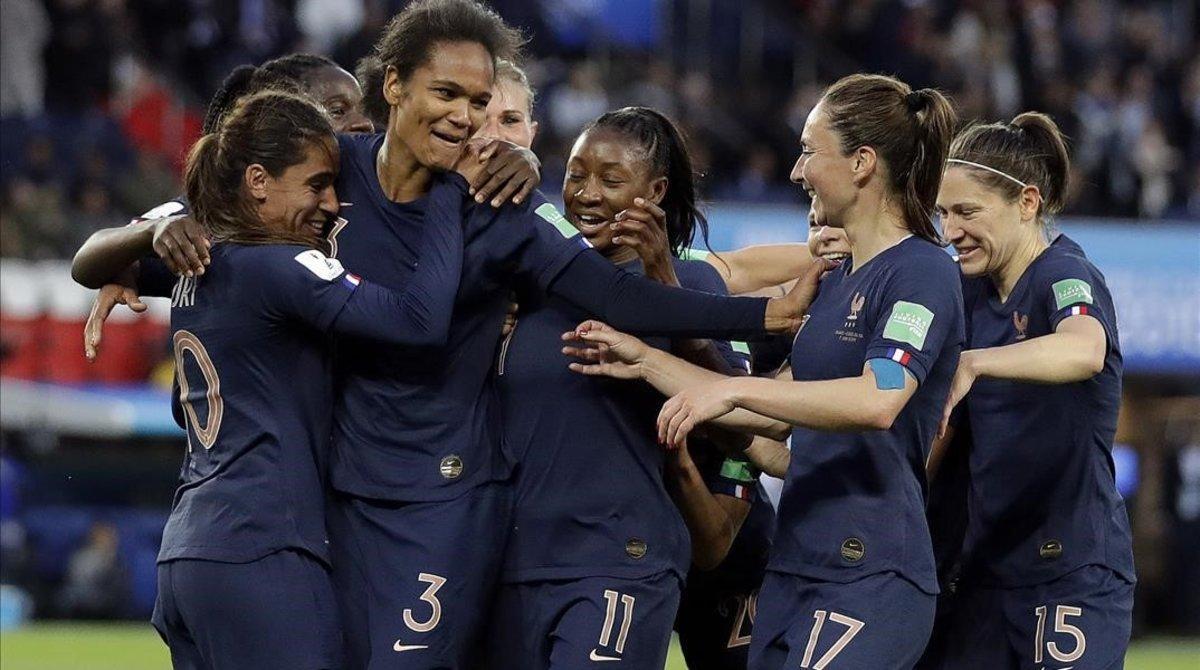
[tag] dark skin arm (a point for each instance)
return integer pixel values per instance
(713, 520)
(504, 171)
(179, 241)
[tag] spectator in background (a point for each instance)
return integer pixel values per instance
(79, 55)
(757, 179)
(580, 100)
(149, 183)
(35, 204)
(91, 209)
(326, 22)
(12, 533)
(24, 29)
(1182, 503)
(96, 585)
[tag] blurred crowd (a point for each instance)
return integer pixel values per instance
(100, 99)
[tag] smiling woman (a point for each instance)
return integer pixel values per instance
(1043, 344)
(246, 535)
(282, 175)
(438, 81)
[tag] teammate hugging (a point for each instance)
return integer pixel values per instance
(383, 471)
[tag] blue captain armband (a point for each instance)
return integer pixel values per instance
(889, 375)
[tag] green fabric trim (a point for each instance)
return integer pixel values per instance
(551, 214)
(908, 323)
(739, 471)
(1071, 292)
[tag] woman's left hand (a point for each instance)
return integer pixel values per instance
(643, 228)
(692, 407)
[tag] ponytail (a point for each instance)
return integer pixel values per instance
(909, 130)
(1051, 145)
(1029, 150)
(273, 129)
(935, 119)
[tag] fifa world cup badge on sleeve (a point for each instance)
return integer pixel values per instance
(909, 323)
(1071, 292)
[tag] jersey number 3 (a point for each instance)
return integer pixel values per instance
(185, 343)
(435, 582)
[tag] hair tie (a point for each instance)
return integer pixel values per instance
(915, 102)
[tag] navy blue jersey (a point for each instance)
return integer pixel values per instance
(425, 427)
(253, 367)
(428, 427)
(590, 494)
(1043, 501)
(854, 502)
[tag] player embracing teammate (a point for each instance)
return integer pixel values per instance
(418, 493)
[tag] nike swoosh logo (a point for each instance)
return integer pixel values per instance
(599, 657)
(408, 647)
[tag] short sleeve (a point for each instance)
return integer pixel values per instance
(918, 312)
(1068, 287)
(302, 284)
(550, 242)
(736, 478)
(154, 279)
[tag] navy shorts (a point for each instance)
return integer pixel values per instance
(715, 622)
(582, 622)
(1081, 620)
(880, 621)
(276, 612)
(414, 581)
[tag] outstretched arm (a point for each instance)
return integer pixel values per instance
(636, 304)
(760, 266)
(866, 402)
(179, 241)
(611, 353)
(1074, 352)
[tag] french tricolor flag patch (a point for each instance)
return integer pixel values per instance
(742, 492)
(1079, 310)
(900, 356)
(351, 280)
